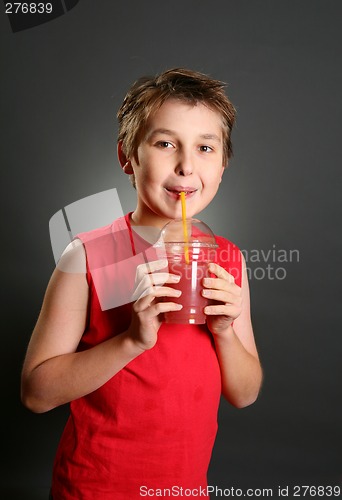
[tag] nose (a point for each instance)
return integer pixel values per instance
(185, 164)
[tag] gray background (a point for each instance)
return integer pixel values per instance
(61, 84)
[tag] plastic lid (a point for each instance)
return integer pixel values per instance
(198, 233)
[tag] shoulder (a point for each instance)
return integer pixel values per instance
(74, 257)
(106, 245)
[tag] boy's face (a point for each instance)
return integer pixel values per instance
(182, 150)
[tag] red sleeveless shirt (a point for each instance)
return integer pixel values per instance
(153, 425)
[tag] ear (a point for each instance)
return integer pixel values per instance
(222, 171)
(124, 161)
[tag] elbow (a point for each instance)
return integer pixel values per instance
(242, 398)
(248, 394)
(243, 402)
(33, 403)
(240, 402)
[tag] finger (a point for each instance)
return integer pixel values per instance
(222, 296)
(150, 267)
(223, 285)
(228, 310)
(216, 283)
(148, 295)
(163, 307)
(220, 272)
(150, 280)
(159, 307)
(155, 308)
(161, 278)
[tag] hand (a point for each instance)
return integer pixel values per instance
(146, 310)
(228, 295)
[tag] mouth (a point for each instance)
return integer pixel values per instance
(176, 190)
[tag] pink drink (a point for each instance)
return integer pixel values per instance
(191, 287)
(188, 254)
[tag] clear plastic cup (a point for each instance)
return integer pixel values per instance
(188, 259)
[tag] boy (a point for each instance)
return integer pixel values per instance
(143, 394)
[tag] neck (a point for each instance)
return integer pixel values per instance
(152, 220)
(148, 232)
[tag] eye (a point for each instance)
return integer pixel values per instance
(164, 144)
(205, 149)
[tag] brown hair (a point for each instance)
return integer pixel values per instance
(148, 94)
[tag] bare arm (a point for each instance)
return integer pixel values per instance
(53, 373)
(235, 345)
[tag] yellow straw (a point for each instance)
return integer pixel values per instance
(185, 229)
